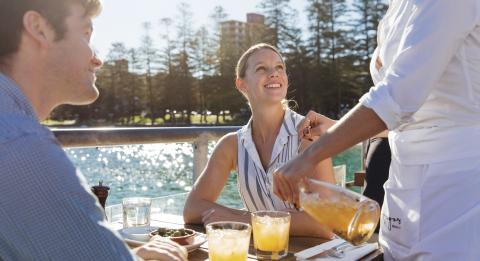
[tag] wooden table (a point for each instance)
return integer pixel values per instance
(296, 244)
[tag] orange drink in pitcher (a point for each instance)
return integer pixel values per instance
(349, 215)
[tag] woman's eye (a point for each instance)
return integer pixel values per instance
(280, 67)
(261, 68)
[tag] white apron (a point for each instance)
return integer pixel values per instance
(431, 209)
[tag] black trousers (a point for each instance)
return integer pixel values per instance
(377, 164)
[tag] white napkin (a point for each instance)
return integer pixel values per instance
(350, 254)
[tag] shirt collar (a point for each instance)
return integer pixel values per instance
(12, 90)
(287, 129)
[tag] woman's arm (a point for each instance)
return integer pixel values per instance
(201, 200)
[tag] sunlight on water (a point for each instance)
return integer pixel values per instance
(155, 170)
(151, 170)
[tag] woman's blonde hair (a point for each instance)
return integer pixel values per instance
(241, 68)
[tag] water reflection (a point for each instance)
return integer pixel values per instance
(156, 170)
(152, 170)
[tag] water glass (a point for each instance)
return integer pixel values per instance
(136, 211)
(270, 234)
(349, 215)
(228, 241)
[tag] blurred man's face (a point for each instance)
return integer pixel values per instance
(72, 62)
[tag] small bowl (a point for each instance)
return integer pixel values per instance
(182, 240)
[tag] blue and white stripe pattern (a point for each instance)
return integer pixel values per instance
(255, 183)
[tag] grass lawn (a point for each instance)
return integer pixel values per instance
(140, 120)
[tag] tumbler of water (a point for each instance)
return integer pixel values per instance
(136, 211)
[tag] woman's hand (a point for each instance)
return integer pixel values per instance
(214, 215)
(159, 248)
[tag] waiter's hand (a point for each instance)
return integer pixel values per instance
(314, 125)
(287, 178)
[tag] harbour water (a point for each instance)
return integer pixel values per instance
(161, 170)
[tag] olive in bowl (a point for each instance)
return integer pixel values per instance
(182, 236)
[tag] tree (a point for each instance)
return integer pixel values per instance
(149, 58)
(204, 65)
(136, 101)
(183, 61)
(119, 91)
(167, 66)
(364, 28)
(220, 92)
(277, 14)
(217, 17)
(330, 45)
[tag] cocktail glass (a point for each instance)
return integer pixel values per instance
(349, 215)
(228, 241)
(270, 234)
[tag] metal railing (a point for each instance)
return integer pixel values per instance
(100, 137)
(198, 136)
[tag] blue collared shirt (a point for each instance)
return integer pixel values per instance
(46, 209)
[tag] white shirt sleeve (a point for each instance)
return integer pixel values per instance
(429, 40)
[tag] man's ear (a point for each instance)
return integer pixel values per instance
(37, 27)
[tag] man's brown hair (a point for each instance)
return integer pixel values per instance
(54, 11)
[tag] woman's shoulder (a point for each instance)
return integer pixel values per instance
(228, 142)
(295, 117)
(226, 148)
(230, 138)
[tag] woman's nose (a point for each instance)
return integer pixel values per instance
(273, 72)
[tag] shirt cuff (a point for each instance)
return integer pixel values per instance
(379, 100)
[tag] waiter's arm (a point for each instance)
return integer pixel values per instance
(339, 137)
(426, 46)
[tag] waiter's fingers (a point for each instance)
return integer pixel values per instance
(302, 126)
(287, 189)
(276, 187)
(281, 188)
(296, 195)
(318, 130)
(292, 190)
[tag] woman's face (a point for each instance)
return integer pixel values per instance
(265, 78)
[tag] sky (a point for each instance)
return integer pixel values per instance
(121, 20)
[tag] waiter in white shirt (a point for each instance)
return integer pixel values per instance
(426, 70)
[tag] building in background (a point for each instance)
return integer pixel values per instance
(237, 36)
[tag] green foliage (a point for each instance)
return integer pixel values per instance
(192, 77)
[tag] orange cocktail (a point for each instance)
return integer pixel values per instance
(228, 241)
(270, 234)
(349, 215)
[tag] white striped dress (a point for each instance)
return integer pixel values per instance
(254, 182)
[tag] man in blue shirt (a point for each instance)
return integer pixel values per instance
(46, 209)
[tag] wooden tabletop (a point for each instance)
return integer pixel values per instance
(295, 245)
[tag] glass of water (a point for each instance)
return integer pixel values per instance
(136, 211)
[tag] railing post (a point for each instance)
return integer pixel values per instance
(200, 155)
